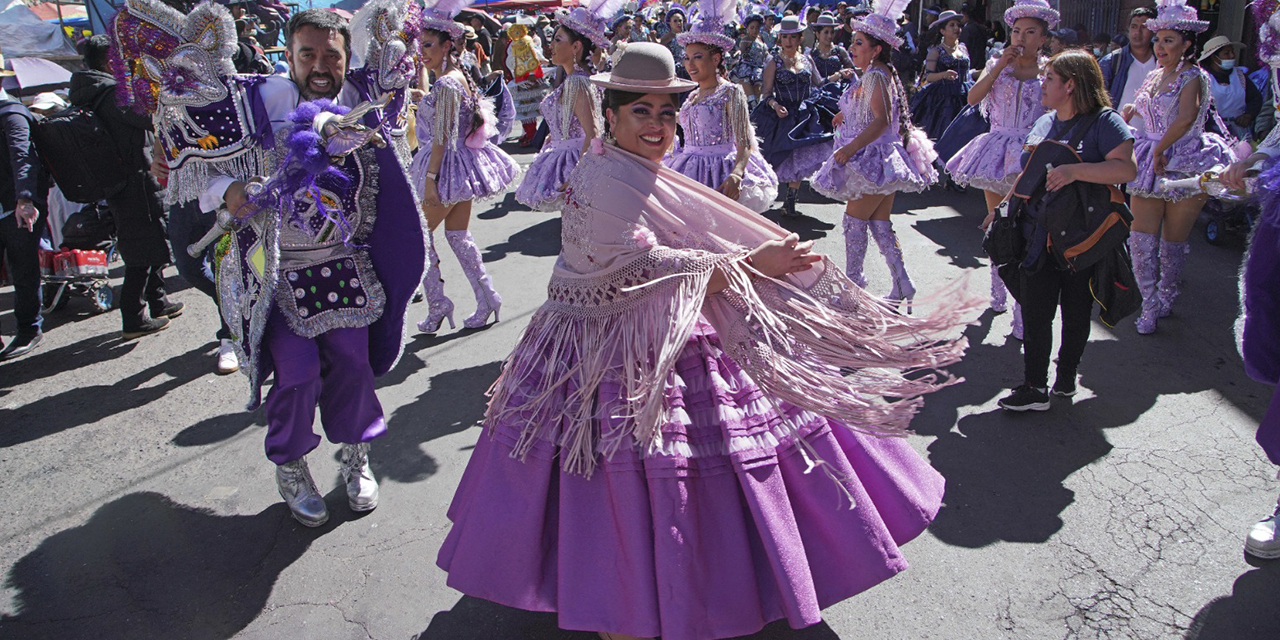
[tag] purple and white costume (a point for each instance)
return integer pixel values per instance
(992, 161)
(473, 168)
(713, 127)
(1194, 153)
(883, 166)
(543, 184)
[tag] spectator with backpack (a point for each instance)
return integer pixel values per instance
(135, 203)
(23, 186)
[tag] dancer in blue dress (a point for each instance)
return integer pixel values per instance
(787, 120)
(946, 77)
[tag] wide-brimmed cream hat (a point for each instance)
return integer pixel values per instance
(1215, 43)
(644, 67)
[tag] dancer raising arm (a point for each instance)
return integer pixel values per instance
(1009, 95)
(456, 164)
(719, 147)
(878, 153)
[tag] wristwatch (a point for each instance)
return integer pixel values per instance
(432, 175)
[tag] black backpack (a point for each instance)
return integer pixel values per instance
(92, 227)
(80, 154)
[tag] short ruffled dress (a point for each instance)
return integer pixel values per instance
(750, 65)
(542, 187)
(715, 538)
(1193, 153)
(473, 167)
(938, 103)
(882, 167)
(829, 93)
(712, 126)
(992, 161)
(795, 146)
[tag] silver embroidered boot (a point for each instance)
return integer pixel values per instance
(488, 302)
(439, 306)
(999, 294)
(1146, 268)
(362, 488)
(293, 479)
(1173, 256)
(887, 240)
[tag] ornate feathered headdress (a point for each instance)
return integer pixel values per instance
(708, 29)
(438, 16)
(1038, 9)
(1176, 15)
(593, 20)
(1267, 14)
(386, 35)
(159, 55)
(882, 22)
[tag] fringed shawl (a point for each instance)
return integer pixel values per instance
(640, 245)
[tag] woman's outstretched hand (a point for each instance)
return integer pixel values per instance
(777, 258)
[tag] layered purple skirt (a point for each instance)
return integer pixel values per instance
(543, 184)
(1189, 156)
(711, 166)
(466, 173)
(991, 161)
(717, 535)
(880, 168)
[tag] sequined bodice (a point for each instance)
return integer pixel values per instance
(1159, 109)
(829, 64)
(447, 94)
(704, 121)
(855, 104)
(793, 87)
(959, 61)
(677, 51)
(557, 107)
(1013, 103)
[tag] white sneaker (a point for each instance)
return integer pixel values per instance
(228, 361)
(1262, 541)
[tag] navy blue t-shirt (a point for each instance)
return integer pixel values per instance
(1109, 132)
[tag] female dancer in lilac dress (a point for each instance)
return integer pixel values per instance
(651, 464)
(1009, 95)
(1169, 113)
(571, 111)
(871, 164)
(719, 147)
(456, 163)
(946, 74)
(787, 121)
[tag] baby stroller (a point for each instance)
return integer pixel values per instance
(1229, 217)
(82, 266)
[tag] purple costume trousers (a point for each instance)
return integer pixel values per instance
(331, 370)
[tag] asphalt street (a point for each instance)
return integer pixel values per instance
(137, 502)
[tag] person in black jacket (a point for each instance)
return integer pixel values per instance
(23, 191)
(137, 207)
(1075, 95)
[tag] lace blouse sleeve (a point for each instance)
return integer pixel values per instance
(448, 102)
(739, 118)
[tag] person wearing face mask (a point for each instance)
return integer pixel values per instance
(1173, 104)
(1237, 99)
(666, 428)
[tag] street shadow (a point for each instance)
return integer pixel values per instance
(476, 619)
(959, 240)
(539, 241)
(453, 402)
(48, 362)
(144, 566)
(501, 209)
(215, 429)
(805, 226)
(81, 405)
(1249, 612)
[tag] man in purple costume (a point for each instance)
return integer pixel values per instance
(1260, 304)
(337, 311)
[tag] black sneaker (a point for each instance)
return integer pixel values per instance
(148, 327)
(1026, 398)
(1064, 386)
(167, 310)
(22, 344)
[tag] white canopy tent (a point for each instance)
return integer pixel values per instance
(24, 34)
